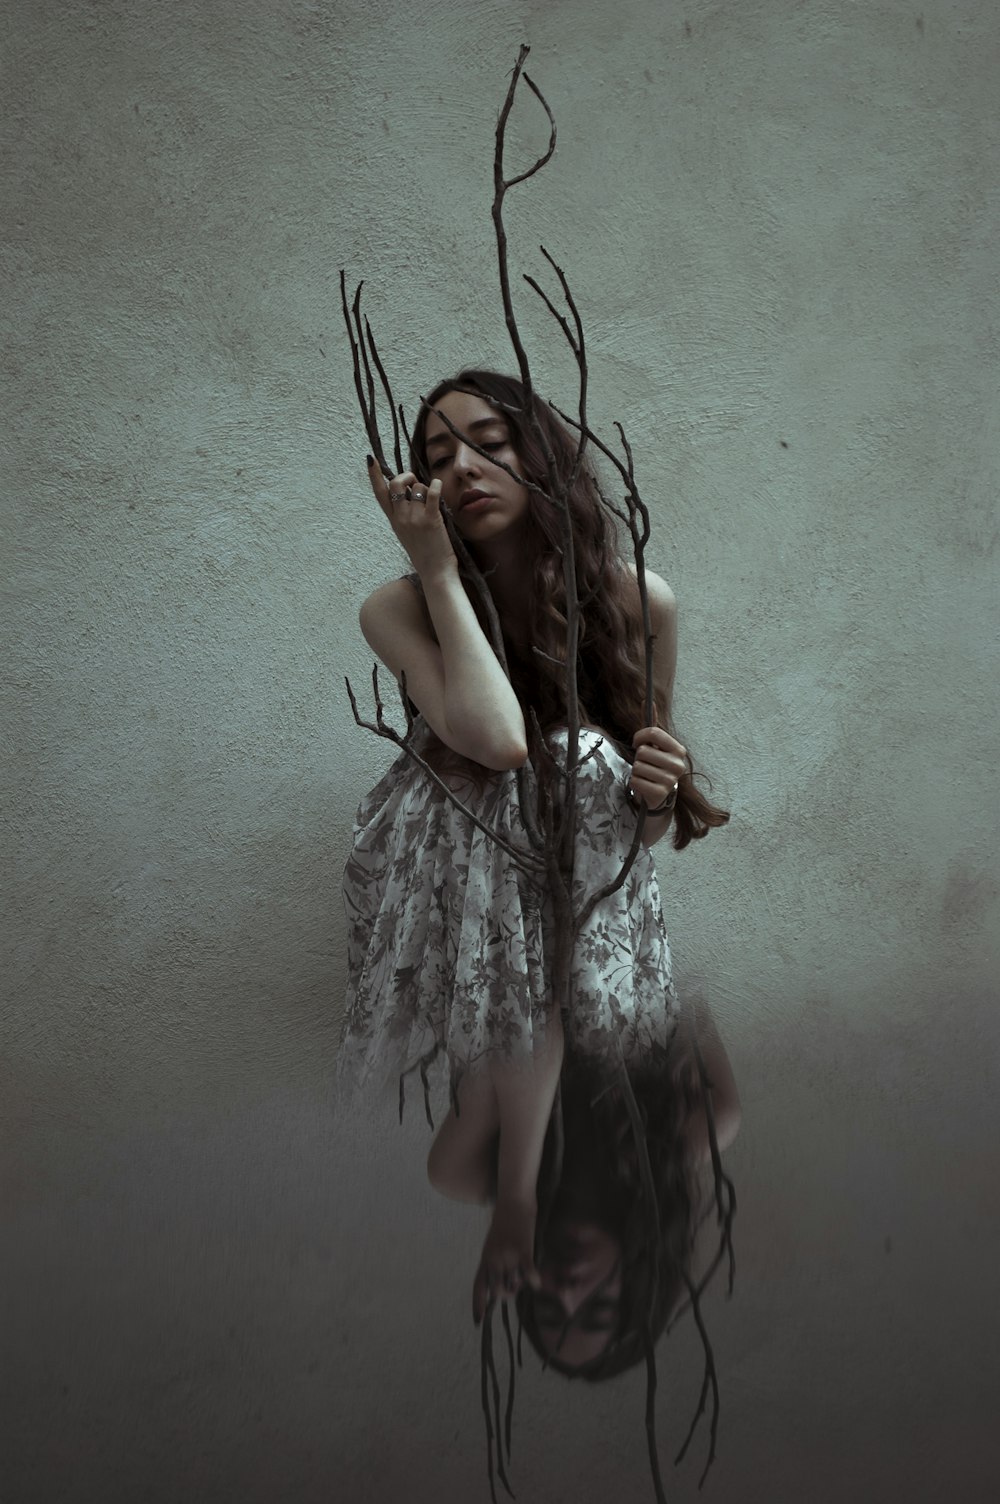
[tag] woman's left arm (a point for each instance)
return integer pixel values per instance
(492, 1150)
(656, 765)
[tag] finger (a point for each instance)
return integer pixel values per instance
(434, 494)
(394, 495)
(384, 487)
(655, 738)
(652, 794)
(398, 486)
(659, 778)
(427, 498)
(376, 479)
(657, 768)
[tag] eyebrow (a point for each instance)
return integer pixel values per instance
(587, 1319)
(443, 438)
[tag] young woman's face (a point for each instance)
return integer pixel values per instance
(579, 1257)
(460, 469)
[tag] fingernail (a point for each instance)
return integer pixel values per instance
(371, 460)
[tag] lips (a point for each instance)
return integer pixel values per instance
(468, 496)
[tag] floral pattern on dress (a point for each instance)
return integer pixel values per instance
(450, 944)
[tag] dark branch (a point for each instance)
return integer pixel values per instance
(524, 859)
(388, 392)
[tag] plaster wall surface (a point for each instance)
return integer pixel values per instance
(780, 223)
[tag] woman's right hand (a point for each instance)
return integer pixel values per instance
(417, 523)
(508, 1257)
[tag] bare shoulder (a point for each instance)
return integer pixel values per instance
(393, 590)
(397, 626)
(398, 602)
(662, 600)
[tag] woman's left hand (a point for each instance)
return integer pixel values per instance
(660, 762)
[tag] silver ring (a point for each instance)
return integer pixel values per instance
(415, 497)
(397, 495)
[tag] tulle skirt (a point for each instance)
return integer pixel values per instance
(451, 945)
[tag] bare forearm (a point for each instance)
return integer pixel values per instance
(482, 709)
(656, 827)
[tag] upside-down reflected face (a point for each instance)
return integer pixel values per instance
(581, 1268)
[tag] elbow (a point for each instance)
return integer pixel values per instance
(439, 1173)
(467, 1183)
(498, 759)
(435, 1170)
(727, 1123)
(497, 756)
(514, 757)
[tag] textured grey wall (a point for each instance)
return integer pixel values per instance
(781, 222)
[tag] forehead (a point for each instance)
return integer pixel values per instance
(464, 411)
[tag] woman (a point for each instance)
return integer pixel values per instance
(449, 941)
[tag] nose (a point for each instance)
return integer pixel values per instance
(467, 461)
(560, 1284)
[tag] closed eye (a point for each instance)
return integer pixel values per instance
(600, 1316)
(439, 462)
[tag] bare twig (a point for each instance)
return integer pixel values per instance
(424, 1062)
(709, 1381)
(523, 858)
(388, 392)
(367, 411)
(490, 1380)
(652, 1448)
(509, 1414)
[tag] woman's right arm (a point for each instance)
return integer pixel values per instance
(727, 1113)
(457, 682)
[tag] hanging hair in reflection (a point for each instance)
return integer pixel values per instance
(601, 1177)
(643, 1188)
(611, 659)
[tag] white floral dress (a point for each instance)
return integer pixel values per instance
(450, 944)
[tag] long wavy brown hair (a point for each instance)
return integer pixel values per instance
(600, 1172)
(611, 679)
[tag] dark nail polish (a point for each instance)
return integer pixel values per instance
(371, 460)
